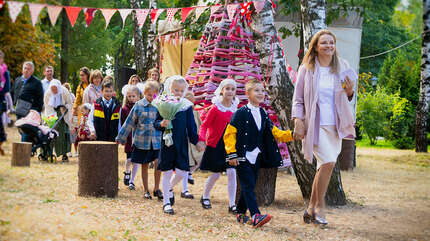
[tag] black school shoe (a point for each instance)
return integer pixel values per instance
(147, 195)
(168, 210)
(206, 203)
(242, 218)
(232, 209)
(187, 195)
(127, 178)
(259, 220)
(172, 199)
(158, 194)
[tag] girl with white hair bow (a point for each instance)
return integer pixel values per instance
(212, 129)
(175, 157)
(57, 100)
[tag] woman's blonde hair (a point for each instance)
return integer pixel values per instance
(94, 74)
(154, 70)
(310, 56)
(139, 80)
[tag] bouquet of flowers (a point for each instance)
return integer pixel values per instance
(50, 120)
(168, 106)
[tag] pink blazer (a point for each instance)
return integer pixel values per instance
(305, 107)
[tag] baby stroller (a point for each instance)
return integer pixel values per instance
(41, 136)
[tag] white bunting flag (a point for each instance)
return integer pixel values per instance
(259, 5)
(171, 14)
(141, 15)
(199, 11)
(214, 9)
(107, 13)
(231, 10)
(35, 11)
(14, 9)
(54, 12)
(124, 13)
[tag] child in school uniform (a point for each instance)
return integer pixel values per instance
(175, 157)
(146, 139)
(224, 105)
(103, 120)
(250, 144)
(132, 95)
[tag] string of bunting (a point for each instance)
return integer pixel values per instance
(141, 14)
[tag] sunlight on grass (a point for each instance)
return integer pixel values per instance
(379, 144)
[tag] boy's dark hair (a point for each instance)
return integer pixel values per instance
(107, 84)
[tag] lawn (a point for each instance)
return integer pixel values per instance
(388, 199)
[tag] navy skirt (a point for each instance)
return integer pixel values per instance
(144, 156)
(214, 159)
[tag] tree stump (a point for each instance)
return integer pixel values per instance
(98, 169)
(21, 154)
(346, 156)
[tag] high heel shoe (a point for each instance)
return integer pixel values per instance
(307, 218)
(319, 220)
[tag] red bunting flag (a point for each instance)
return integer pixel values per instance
(35, 11)
(54, 12)
(171, 14)
(155, 13)
(89, 15)
(185, 12)
(72, 13)
(1, 4)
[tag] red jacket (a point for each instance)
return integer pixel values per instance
(213, 126)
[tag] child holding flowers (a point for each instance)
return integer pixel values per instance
(146, 139)
(175, 119)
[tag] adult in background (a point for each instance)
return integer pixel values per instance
(84, 75)
(154, 74)
(4, 90)
(321, 114)
(134, 80)
(49, 76)
(93, 91)
(57, 100)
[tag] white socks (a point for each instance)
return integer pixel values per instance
(178, 177)
(231, 186)
(185, 182)
(166, 186)
(210, 182)
(134, 172)
(128, 165)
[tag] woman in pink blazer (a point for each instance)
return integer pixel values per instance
(322, 115)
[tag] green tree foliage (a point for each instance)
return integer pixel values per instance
(20, 41)
(402, 125)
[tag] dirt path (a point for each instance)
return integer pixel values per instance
(389, 199)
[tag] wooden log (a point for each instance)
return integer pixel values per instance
(21, 154)
(98, 169)
(347, 155)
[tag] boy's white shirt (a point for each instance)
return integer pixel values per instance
(251, 156)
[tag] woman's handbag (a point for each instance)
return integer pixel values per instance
(22, 107)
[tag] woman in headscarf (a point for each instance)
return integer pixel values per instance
(57, 100)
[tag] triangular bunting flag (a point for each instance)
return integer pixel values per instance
(108, 13)
(14, 9)
(1, 4)
(259, 5)
(72, 13)
(54, 12)
(141, 15)
(171, 14)
(155, 13)
(124, 13)
(185, 12)
(231, 10)
(89, 15)
(199, 11)
(214, 9)
(35, 11)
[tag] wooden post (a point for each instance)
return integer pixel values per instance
(98, 169)
(21, 154)
(346, 156)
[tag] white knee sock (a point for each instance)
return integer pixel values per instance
(128, 165)
(134, 171)
(210, 182)
(231, 186)
(178, 177)
(166, 186)
(185, 182)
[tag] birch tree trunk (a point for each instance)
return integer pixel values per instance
(313, 19)
(139, 52)
(423, 102)
(281, 90)
(151, 57)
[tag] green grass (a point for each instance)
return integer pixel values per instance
(383, 144)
